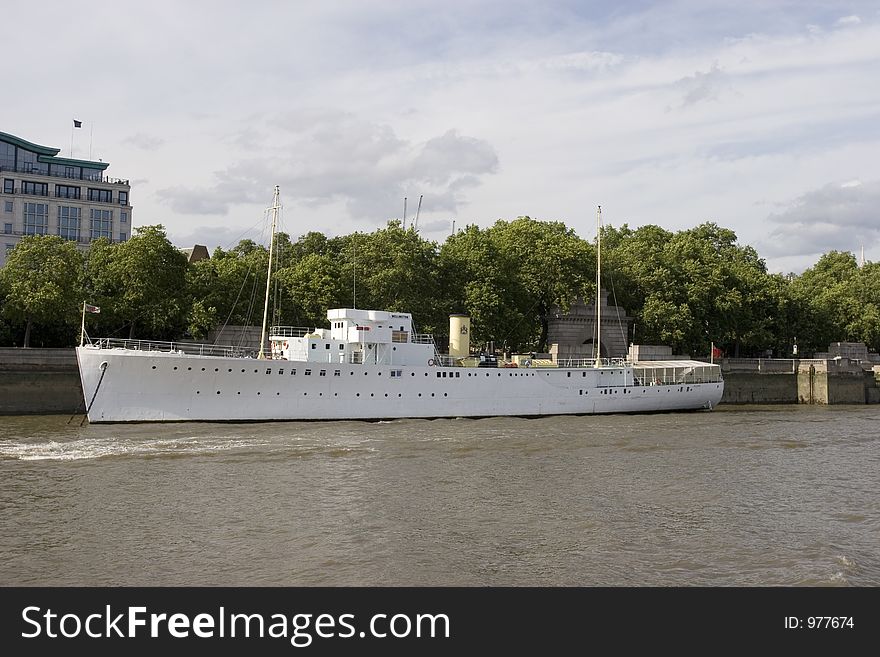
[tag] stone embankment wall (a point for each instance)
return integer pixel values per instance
(792, 381)
(39, 381)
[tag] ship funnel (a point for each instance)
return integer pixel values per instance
(459, 336)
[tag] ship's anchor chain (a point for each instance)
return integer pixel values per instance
(95, 394)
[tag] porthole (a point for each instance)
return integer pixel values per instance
(175, 367)
(154, 367)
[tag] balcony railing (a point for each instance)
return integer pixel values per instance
(94, 177)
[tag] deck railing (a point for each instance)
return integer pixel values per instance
(190, 348)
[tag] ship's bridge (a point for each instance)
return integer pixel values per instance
(355, 336)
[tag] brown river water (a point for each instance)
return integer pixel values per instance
(740, 496)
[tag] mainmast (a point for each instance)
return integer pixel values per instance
(276, 205)
(598, 287)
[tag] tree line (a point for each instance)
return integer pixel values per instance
(687, 289)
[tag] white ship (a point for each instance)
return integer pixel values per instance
(370, 365)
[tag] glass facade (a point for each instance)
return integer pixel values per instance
(36, 218)
(100, 195)
(7, 156)
(69, 222)
(67, 191)
(100, 224)
(34, 188)
(27, 162)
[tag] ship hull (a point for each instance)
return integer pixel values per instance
(129, 385)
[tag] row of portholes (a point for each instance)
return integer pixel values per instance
(605, 391)
(321, 394)
(336, 372)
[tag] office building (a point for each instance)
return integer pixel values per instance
(43, 194)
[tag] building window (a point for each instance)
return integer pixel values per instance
(7, 155)
(100, 195)
(34, 188)
(69, 222)
(123, 237)
(123, 198)
(8, 206)
(8, 186)
(36, 218)
(66, 191)
(70, 172)
(123, 217)
(100, 224)
(7, 228)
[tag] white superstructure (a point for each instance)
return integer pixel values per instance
(368, 365)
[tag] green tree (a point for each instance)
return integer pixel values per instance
(143, 282)
(228, 288)
(42, 283)
(510, 277)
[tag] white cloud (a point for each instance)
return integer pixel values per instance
(848, 20)
(489, 110)
(837, 216)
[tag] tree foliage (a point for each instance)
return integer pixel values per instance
(41, 283)
(686, 288)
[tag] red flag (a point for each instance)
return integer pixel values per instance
(716, 352)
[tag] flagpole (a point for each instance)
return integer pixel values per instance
(82, 331)
(91, 132)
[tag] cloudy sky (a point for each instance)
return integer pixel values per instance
(762, 116)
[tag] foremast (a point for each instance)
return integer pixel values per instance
(276, 205)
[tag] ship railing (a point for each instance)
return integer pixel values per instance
(428, 338)
(423, 338)
(590, 362)
(290, 331)
(189, 348)
(356, 358)
(445, 360)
